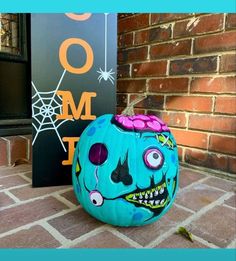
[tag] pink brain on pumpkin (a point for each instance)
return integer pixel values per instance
(141, 123)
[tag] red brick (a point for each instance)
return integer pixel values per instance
(34, 237)
(133, 55)
(168, 85)
(170, 49)
(103, 240)
(180, 153)
(223, 144)
(190, 138)
(3, 153)
(133, 23)
(225, 105)
(149, 69)
(70, 195)
(123, 71)
(187, 177)
(28, 192)
(121, 100)
(216, 226)
(189, 103)
(167, 17)
(124, 15)
(206, 159)
(125, 40)
(213, 123)
(193, 65)
(150, 102)
(119, 110)
(75, 224)
(18, 148)
(131, 85)
(231, 201)
(232, 165)
(8, 171)
(5, 200)
(146, 234)
(230, 21)
(228, 63)
(141, 37)
(213, 43)
(178, 241)
(26, 213)
(199, 25)
(152, 35)
(198, 196)
(220, 183)
(12, 181)
(213, 85)
(174, 119)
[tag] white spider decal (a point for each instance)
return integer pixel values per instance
(106, 75)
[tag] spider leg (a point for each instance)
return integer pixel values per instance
(110, 76)
(111, 80)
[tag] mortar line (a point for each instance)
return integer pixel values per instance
(55, 233)
(190, 219)
(12, 197)
(124, 237)
(25, 178)
(22, 202)
(37, 222)
(83, 237)
(12, 175)
(232, 244)
(184, 208)
(204, 242)
(8, 151)
(15, 187)
(64, 201)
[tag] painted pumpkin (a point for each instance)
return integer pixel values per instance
(125, 169)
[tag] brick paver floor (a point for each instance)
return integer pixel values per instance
(51, 217)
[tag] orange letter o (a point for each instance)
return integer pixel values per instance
(76, 17)
(63, 55)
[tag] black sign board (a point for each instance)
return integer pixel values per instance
(73, 82)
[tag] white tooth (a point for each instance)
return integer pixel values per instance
(157, 202)
(140, 201)
(156, 193)
(151, 202)
(145, 201)
(140, 195)
(161, 190)
(151, 195)
(134, 197)
(146, 196)
(162, 201)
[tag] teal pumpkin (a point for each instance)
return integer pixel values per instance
(125, 170)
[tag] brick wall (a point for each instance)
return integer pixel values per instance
(13, 148)
(186, 65)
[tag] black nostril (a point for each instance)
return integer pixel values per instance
(121, 173)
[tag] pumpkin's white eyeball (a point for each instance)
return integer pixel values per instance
(153, 158)
(96, 198)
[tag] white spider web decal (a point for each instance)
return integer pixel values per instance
(45, 107)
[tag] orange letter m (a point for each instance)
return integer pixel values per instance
(68, 101)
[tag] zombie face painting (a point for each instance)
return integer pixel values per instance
(126, 170)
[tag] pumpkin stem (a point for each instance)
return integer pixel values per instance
(129, 110)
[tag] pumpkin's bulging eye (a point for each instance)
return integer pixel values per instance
(153, 158)
(98, 154)
(96, 198)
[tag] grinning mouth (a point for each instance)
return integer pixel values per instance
(155, 197)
